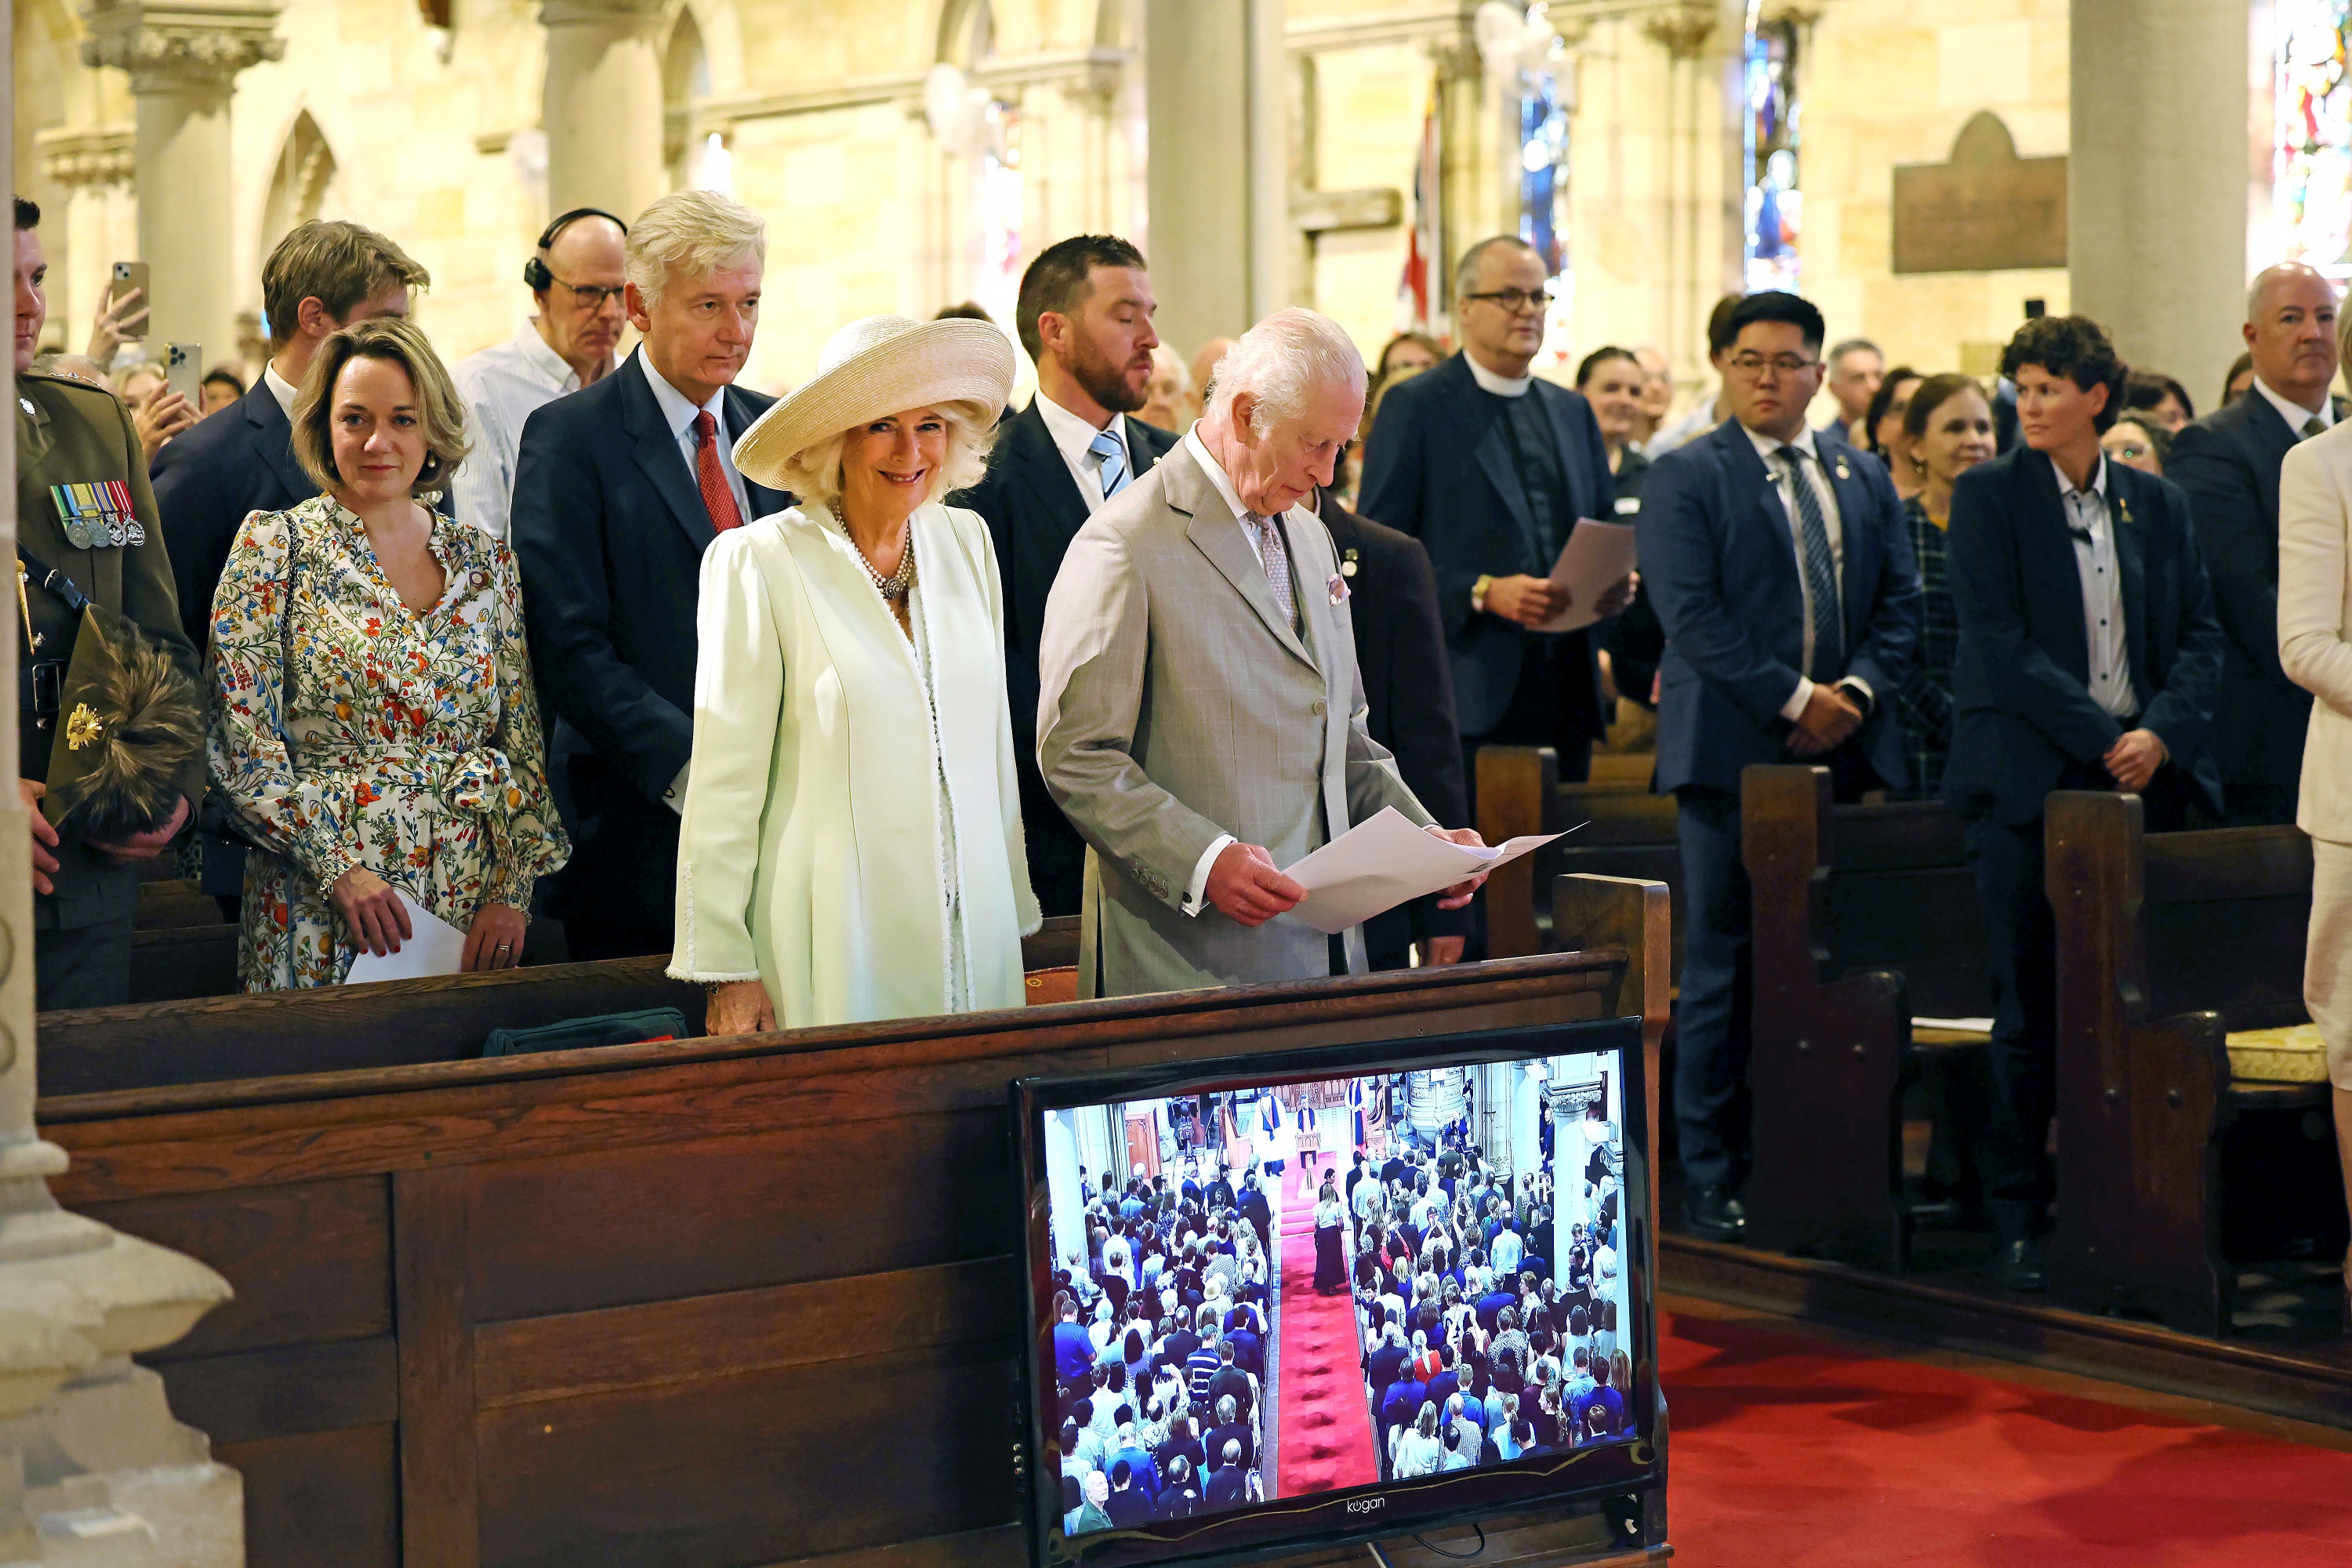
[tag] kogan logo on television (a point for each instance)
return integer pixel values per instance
(1367, 1504)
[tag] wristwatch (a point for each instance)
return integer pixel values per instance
(1478, 591)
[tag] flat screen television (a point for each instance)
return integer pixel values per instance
(1244, 1339)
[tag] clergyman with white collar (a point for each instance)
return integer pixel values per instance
(1491, 467)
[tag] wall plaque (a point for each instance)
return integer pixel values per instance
(1985, 210)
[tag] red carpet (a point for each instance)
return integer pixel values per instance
(1784, 1451)
(1324, 1437)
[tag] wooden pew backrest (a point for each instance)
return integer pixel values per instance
(2165, 943)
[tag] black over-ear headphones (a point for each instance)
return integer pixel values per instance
(534, 271)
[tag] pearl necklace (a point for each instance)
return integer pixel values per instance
(893, 587)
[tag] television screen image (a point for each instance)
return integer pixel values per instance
(1304, 1287)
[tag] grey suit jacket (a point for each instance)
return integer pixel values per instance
(1177, 704)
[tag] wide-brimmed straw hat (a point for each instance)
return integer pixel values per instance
(873, 367)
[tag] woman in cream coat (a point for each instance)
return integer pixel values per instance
(2314, 632)
(851, 847)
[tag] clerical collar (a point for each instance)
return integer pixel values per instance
(1501, 385)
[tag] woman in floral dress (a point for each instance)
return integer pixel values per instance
(373, 722)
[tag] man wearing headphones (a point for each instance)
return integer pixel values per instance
(574, 275)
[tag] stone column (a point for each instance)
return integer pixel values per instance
(601, 105)
(96, 165)
(93, 1469)
(1216, 75)
(2156, 180)
(184, 56)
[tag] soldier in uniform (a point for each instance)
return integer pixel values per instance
(87, 530)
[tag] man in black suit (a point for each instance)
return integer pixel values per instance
(619, 488)
(1409, 698)
(1782, 571)
(323, 277)
(2228, 463)
(1085, 316)
(1491, 467)
(2089, 656)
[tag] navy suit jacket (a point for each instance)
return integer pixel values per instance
(2021, 682)
(207, 479)
(1438, 467)
(2228, 465)
(1408, 694)
(609, 531)
(1720, 564)
(1033, 508)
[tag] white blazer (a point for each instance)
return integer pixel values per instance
(809, 858)
(2315, 620)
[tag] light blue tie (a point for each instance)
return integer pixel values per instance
(1114, 474)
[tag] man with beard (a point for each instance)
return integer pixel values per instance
(1085, 316)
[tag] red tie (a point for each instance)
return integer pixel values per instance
(717, 499)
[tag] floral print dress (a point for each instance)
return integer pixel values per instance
(348, 730)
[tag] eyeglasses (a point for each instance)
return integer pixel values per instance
(589, 294)
(1753, 366)
(1515, 300)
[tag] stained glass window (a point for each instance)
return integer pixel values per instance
(2311, 167)
(1543, 199)
(1776, 207)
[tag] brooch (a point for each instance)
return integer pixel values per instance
(1338, 588)
(82, 727)
(2123, 509)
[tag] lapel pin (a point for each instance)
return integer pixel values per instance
(1843, 472)
(1348, 567)
(1337, 586)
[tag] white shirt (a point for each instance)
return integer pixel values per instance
(1074, 437)
(2296, 415)
(283, 390)
(680, 415)
(2103, 590)
(1196, 891)
(1501, 385)
(503, 386)
(1695, 421)
(1784, 484)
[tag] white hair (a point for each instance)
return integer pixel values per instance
(1284, 360)
(693, 234)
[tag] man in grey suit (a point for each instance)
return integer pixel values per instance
(1201, 721)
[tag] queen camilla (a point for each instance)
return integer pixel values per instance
(851, 846)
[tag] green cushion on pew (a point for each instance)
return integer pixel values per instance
(576, 1034)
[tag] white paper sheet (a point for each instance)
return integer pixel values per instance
(437, 948)
(1595, 559)
(1381, 863)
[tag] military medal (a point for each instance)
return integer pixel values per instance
(98, 515)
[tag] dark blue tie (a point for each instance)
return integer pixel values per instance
(1821, 571)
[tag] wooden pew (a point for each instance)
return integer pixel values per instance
(2166, 942)
(1864, 917)
(397, 1022)
(1625, 832)
(667, 1303)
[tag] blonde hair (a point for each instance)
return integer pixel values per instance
(813, 473)
(439, 411)
(692, 232)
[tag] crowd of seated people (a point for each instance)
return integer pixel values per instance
(1159, 1351)
(1474, 1352)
